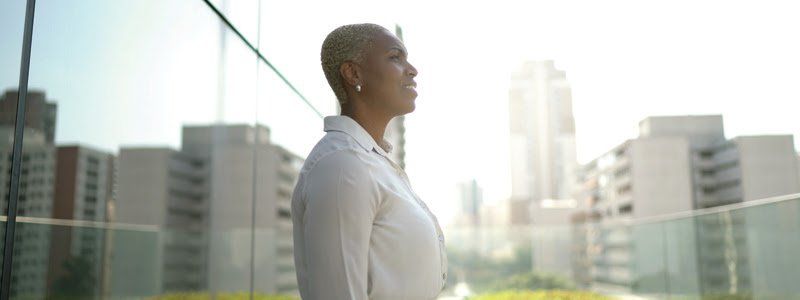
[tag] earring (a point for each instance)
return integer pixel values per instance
(358, 88)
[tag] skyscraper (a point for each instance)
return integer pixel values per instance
(470, 195)
(542, 137)
(72, 183)
(40, 114)
(35, 200)
(84, 191)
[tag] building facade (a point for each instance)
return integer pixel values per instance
(542, 137)
(36, 189)
(224, 199)
(677, 164)
(61, 183)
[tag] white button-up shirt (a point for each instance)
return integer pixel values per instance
(360, 231)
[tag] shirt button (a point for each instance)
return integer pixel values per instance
(444, 275)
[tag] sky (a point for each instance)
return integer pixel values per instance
(131, 72)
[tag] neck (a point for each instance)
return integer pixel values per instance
(374, 123)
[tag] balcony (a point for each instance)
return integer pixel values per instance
(187, 114)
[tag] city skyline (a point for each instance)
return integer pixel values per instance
(742, 70)
(443, 209)
(619, 148)
(226, 186)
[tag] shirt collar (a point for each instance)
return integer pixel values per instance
(352, 128)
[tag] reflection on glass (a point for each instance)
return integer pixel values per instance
(12, 17)
(293, 124)
(145, 171)
(153, 128)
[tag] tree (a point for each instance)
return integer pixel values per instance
(78, 281)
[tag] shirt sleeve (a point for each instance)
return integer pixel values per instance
(340, 205)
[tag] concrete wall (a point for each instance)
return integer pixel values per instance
(661, 176)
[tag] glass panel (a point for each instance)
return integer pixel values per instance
(723, 256)
(228, 148)
(492, 258)
(243, 15)
(773, 236)
(139, 124)
(650, 268)
(680, 257)
(732, 253)
(548, 246)
(293, 124)
(12, 23)
(293, 128)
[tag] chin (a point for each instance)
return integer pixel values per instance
(411, 109)
(401, 106)
(409, 106)
(404, 110)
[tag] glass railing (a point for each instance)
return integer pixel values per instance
(741, 251)
(65, 259)
(746, 251)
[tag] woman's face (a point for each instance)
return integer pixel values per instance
(389, 83)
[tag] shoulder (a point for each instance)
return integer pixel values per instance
(344, 175)
(337, 152)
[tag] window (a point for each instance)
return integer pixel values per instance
(626, 209)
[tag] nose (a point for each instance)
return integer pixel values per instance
(411, 71)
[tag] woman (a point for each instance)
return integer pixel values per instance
(360, 231)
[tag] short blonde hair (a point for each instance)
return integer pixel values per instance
(349, 42)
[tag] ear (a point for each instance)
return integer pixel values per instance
(351, 73)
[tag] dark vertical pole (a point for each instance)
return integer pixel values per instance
(16, 156)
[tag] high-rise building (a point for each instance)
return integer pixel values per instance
(83, 191)
(226, 185)
(679, 164)
(543, 161)
(233, 151)
(57, 182)
(166, 189)
(35, 200)
(470, 195)
(542, 137)
(40, 114)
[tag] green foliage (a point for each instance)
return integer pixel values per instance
(482, 271)
(78, 282)
(532, 281)
(740, 296)
(221, 296)
(540, 295)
